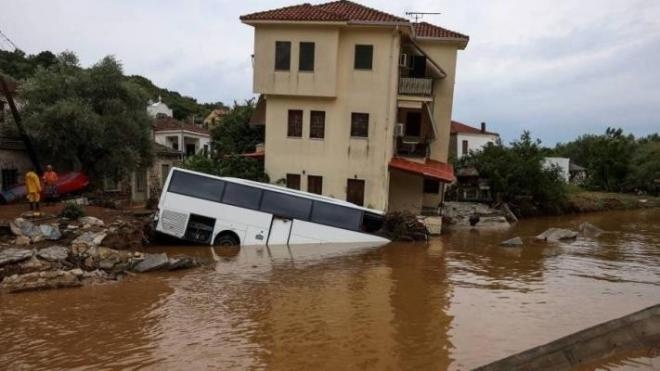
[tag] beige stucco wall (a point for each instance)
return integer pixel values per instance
(444, 54)
(321, 82)
(339, 157)
(405, 192)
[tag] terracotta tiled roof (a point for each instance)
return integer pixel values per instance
(430, 169)
(424, 29)
(168, 123)
(458, 127)
(336, 11)
(356, 12)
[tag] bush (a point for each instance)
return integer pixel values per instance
(517, 176)
(72, 211)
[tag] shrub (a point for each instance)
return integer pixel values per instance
(72, 211)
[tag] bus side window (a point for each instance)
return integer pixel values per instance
(336, 216)
(287, 206)
(196, 186)
(242, 196)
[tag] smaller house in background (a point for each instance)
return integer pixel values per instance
(215, 116)
(159, 109)
(465, 138)
(577, 173)
(189, 139)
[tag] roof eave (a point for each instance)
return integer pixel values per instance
(257, 22)
(459, 41)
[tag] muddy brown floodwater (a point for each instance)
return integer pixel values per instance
(458, 302)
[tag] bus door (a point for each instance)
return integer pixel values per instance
(280, 229)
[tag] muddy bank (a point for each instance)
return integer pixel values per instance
(44, 251)
(601, 201)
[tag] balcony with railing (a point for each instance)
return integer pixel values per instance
(416, 86)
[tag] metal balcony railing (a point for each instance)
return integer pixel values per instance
(415, 86)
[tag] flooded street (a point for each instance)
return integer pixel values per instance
(459, 302)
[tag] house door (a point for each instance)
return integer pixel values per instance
(140, 186)
(280, 229)
(355, 191)
(413, 124)
(418, 66)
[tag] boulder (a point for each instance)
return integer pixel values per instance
(50, 232)
(513, 242)
(86, 241)
(557, 234)
(22, 241)
(23, 227)
(591, 230)
(42, 280)
(91, 221)
(181, 262)
(13, 255)
(98, 238)
(152, 262)
(433, 224)
(53, 253)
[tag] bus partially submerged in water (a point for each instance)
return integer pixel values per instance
(206, 209)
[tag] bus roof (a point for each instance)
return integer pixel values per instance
(280, 189)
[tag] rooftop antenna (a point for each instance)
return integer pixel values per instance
(8, 40)
(419, 15)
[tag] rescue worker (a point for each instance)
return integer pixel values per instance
(50, 184)
(33, 189)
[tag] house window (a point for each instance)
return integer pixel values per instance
(355, 191)
(431, 186)
(363, 57)
(315, 184)
(306, 57)
(465, 147)
(317, 124)
(294, 128)
(359, 124)
(293, 181)
(282, 55)
(164, 172)
(191, 149)
(9, 178)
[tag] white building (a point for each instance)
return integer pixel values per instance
(563, 163)
(159, 109)
(189, 139)
(465, 138)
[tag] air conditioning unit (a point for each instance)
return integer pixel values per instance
(399, 130)
(403, 60)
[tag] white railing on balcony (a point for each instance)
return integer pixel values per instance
(415, 86)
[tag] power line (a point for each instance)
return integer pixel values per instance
(6, 39)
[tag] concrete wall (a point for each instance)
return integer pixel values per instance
(320, 82)
(199, 139)
(563, 164)
(339, 157)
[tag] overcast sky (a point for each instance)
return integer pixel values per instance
(558, 68)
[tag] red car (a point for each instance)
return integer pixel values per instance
(67, 183)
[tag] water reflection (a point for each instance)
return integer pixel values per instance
(458, 302)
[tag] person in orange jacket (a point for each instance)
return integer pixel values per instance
(33, 189)
(50, 183)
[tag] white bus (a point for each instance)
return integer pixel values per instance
(214, 210)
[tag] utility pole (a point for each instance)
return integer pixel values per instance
(419, 15)
(8, 40)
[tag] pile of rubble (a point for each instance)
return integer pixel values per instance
(67, 254)
(586, 229)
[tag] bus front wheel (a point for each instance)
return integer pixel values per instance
(226, 239)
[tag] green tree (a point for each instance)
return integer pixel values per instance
(231, 166)
(233, 133)
(90, 119)
(516, 175)
(644, 170)
(607, 158)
